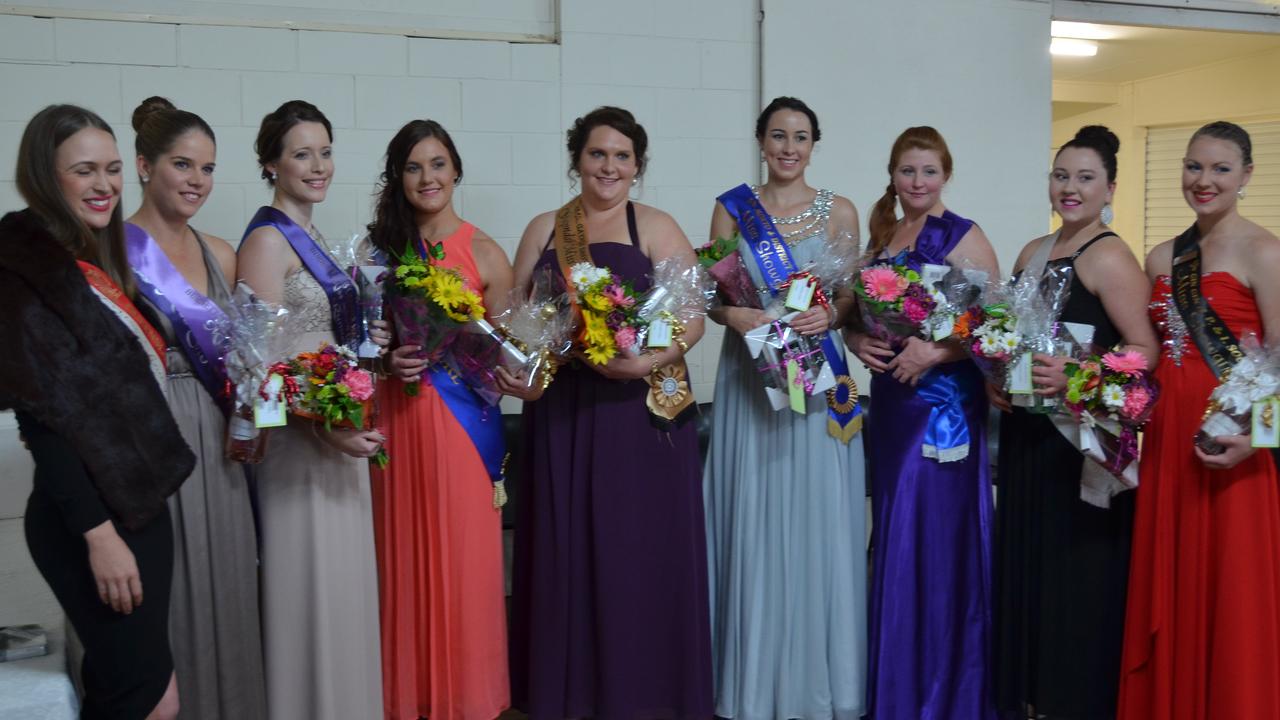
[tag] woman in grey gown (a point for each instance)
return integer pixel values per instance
(785, 499)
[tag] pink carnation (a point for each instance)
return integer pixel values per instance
(1130, 362)
(883, 284)
(1136, 400)
(625, 337)
(915, 309)
(359, 384)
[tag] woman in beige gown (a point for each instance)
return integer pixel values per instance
(319, 577)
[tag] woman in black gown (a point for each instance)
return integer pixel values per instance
(1062, 540)
(82, 369)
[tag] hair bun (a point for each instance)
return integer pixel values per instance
(1100, 137)
(147, 107)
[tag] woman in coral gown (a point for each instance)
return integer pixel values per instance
(1202, 630)
(436, 524)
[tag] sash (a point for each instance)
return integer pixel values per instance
(1216, 342)
(123, 308)
(761, 236)
(482, 423)
(193, 315)
(344, 299)
(670, 400)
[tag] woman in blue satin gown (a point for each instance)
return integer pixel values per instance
(930, 602)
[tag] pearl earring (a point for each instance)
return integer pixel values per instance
(145, 179)
(1240, 192)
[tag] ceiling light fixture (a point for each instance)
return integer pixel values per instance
(1081, 31)
(1073, 47)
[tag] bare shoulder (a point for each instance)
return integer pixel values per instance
(265, 238)
(483, 245)
(1024, 256)
(843, 211)
(651, 218)
(220, 248)
(539, 229)
(1262, 243)
(1160, 260)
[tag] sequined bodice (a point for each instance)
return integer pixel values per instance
(812, 220)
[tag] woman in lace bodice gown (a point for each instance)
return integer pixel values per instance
(319, 578)
(1202, 631)
(786, 524)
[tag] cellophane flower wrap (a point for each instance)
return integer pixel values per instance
(529, 339)
(1254, 377)
(357, 258)
(1113, 392)
(255, 335)
(329, 386)
(957, 301)
(1014, 318)
(608, 305)
(430, 304)
(680, 292)
(723, 261)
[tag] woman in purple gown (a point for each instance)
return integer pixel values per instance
(610, 610)
(930, 599)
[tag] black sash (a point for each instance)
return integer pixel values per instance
(1216, 342)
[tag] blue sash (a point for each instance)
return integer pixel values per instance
(761, 236)
(481, 421)
(193, 316)
(344, 299)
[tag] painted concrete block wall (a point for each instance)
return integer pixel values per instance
(688, 71)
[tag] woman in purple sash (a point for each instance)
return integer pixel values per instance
(319, 578)
(930, 602)
(181, 276)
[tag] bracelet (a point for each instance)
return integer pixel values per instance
(684, 346)
(653, 370)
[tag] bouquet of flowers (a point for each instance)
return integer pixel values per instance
(255, 334)
(1116, 394)
(328, 386)
(431, 305)
(956, 293)
(530, 337)
(1245, 401)
(609, 306)
(722, 260)
(893, 298)
(680, 292)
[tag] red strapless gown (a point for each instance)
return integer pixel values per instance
(1202, 631)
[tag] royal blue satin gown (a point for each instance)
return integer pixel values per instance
(931, 598)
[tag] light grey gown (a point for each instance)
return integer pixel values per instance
(213, 613)
(786, 536)
(319, 576)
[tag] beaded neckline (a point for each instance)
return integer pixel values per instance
(814, 217)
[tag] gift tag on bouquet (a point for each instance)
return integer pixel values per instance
(1020, 375)
(659, 334)
(800, 294)
(795, 388)
(943, 327)
(272, 412)
(1266, 423)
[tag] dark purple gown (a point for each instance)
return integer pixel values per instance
(609, 609)
(930, 604)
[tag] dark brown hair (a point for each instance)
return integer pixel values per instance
(786, 103)
(618, 119)
(1099, 139)
(884, 215)
(159, 125)
(394, 220)
(37, 180)
(277, 123)
(1231, 132)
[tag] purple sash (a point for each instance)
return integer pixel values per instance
(194, 317)
(344, 299)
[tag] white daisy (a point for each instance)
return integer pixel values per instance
(1113, 396)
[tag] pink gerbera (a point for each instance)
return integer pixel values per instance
(359, 383)
(883, 284)
(618, 296)
(1129, 362)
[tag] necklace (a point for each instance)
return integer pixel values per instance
(814, 217)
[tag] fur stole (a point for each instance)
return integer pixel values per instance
(66, 360)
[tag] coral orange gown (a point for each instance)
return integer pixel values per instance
(439, 540)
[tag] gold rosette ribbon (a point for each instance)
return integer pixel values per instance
(670, 399)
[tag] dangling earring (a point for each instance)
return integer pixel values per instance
(1107, 214)
(273, 177)
(1240, 192)
(634, 180)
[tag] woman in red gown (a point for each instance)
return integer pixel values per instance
(1202, 631)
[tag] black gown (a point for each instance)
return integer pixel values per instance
(127, 662)
(1062, 565)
